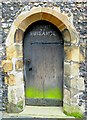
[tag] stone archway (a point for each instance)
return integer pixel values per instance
(60, 20)
(13, 66)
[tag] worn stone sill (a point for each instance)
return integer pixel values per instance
(39, 112)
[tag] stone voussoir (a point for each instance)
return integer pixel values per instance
(19, 36)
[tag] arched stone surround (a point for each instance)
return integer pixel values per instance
(13, 65)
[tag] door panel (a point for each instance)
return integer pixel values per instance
(53, 72)
(34, 86)
(43, 64)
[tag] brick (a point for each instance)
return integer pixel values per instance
(74, 82)
(72, 53)
(14, 51)
(19, 65)
(66, 96)
(75, 53)
(80, 84)
(67, 50)
(67, 69)
(7, 65)
(75, 69)
(10, 80)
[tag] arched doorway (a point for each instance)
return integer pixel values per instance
(14, 53)
(43, 64)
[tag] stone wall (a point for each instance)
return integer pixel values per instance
(77, 93)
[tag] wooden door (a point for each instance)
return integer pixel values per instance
(43, 64)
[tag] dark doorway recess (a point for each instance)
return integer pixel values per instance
(43, 51)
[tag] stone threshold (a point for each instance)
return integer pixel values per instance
(38, 113)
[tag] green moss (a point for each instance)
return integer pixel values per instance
(54, 93)
(20, 105)
(15, 108)
(33, 93)
(73, 111)
(36, 93)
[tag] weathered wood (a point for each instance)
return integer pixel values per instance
(43, 61)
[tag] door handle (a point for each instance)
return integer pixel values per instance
(29, 65)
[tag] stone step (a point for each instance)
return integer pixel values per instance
(40, 119)
(38, 113)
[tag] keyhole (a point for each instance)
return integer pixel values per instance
(30, 69)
